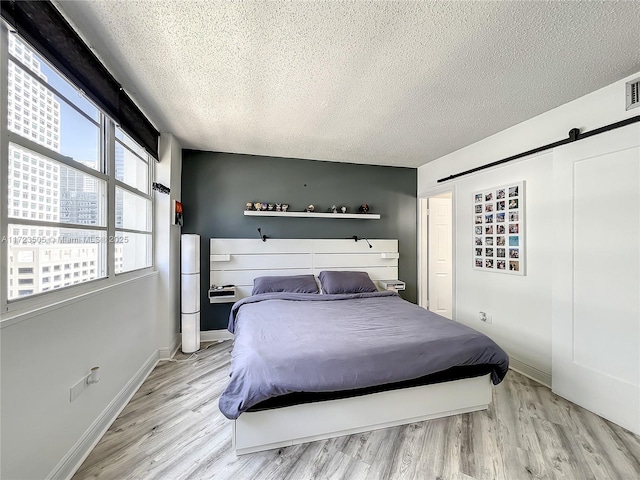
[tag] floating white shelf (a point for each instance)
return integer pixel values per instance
(223, 295)
(271, 213)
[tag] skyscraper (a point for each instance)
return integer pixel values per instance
(42, 189)
(33, 113)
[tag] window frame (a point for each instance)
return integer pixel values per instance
(105, 171)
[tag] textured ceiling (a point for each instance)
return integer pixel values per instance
(386, 83)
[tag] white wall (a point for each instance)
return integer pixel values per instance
(520, 305)
(167, 245)
(591, 111)
(122, 329)
(44, 355)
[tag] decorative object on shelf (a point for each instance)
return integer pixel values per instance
(263, 237)
(257, 206)
(498, 240)
(278, 207)
(177, 214)
(249, 206)
(343, 209)
(310, 208)
(270, 207)
(333, 209)
(364, 208)
(263, 206)
(285, 207)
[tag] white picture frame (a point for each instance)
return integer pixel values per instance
(498, 240)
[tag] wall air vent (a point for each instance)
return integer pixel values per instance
(633, 94)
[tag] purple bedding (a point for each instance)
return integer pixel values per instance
(295, 342)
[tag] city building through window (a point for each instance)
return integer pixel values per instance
(97, 200)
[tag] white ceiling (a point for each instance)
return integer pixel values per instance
(385, 83)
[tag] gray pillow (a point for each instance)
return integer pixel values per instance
(346, 282)
(293, 283)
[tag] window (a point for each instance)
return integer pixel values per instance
(55, 137)
(133, 238)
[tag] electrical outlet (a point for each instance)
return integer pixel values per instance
(484, 317)
(77, 389)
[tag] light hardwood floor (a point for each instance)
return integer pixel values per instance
(172, 430)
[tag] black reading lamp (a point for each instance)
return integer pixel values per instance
(356, 238)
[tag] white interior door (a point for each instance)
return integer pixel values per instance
(596, 281)
(440, 255)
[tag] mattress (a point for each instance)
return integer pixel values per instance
(297, 398)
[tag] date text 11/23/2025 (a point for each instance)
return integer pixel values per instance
(63, 240)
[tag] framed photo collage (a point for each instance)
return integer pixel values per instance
(498, 229)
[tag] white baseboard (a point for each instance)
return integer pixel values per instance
(80, 451)
(529, 371)
(215, 335)
(168, 352)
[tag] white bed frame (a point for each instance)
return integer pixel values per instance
(257, 431)
(239, 261)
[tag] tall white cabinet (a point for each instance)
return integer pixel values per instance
(190, 292)
(596, 281)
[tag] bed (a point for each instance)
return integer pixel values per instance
(307, 366)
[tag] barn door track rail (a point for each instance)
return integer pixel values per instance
(574, 136)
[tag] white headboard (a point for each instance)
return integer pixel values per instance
(237, 261)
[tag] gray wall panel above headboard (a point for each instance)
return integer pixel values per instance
(216, 187)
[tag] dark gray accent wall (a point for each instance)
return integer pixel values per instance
(216, 187)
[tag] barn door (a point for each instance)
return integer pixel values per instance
(596, 281)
